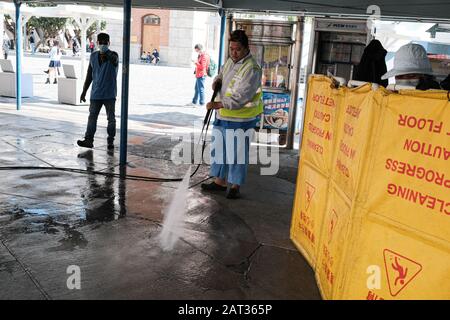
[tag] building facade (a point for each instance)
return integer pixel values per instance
(174, 33)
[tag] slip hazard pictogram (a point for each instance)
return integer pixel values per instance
(332, 225)
(310, 190)
(400, 270)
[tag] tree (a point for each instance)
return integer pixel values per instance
(93, 28)
(46, 28)
(90, 31)
(10, 26)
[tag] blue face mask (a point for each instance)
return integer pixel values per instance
(103, 48)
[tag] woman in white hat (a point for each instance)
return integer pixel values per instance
(412, 68)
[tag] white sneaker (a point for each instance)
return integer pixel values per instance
(190, 104)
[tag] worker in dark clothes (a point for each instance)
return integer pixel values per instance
(372, 65)
(445, 84)
(102, 72)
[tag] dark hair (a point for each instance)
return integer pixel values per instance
(103, 37)
(56, 43)
(198, 46)
(445, 84)
(239, 36)
(427, 82)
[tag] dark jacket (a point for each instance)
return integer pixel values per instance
(427, 82)
(445, 84)
(372, 65)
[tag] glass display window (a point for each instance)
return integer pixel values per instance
(274, 61)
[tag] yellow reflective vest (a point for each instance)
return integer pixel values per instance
(252, 108)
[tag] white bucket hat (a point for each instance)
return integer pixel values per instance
(410, 58)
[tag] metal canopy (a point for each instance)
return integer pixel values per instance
(402, 9)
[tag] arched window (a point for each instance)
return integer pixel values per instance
(152, 20)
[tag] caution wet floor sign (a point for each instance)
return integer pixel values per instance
(409, 180)
(400, 271)
(357, 117)
(394, 264)
(312, 189)
(384, 216)
(333, 241)
(320, 123)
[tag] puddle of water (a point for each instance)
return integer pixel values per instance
(36, 212)
(72, 240)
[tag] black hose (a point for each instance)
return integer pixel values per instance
(101, 173)
(206, 122)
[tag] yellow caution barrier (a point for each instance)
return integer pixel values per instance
(358, 116)
(310, 202)
(382, 206)
(320, 123)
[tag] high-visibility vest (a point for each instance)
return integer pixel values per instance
(253, 108)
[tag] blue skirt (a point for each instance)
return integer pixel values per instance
(54, 64)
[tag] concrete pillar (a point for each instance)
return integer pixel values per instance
(25, 20)
(24, 33)
(84, 25)
(98, 28)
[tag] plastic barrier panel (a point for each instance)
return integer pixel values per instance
(309, 207)
(320, 123)
(410, 178)
(333, 240)
(394, 264)
(357, 118)
(381, 163)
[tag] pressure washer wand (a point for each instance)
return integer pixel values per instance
(209, 112)
(206, 122)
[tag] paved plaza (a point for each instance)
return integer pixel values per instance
(108, 227)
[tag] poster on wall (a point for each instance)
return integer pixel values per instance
(276, 111)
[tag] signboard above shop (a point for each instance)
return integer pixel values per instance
(341, 26)
(270, 31)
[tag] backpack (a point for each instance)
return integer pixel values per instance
(212, 68)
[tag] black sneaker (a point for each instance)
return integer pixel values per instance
(85, 143)
(48, 81)
(110, 146)
(213, 187)
(233, 193)
(55, 82)
(46, 71)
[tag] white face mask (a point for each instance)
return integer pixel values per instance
(103, 48)
(407, 82)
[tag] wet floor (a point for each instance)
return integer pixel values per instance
(50, 220)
